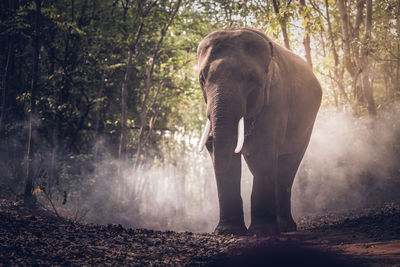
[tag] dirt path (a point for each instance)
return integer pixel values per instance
(369, 237)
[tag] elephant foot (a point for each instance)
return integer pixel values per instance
(287, 225)
(228, 229)
(269, 229)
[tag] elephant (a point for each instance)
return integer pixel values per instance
(262, 101)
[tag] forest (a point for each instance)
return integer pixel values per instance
(101, 109)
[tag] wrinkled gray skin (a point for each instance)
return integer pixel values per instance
(244, 73)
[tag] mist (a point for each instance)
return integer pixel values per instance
(351, 162)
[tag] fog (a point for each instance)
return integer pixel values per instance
(350, 163)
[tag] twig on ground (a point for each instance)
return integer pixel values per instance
(51, 202)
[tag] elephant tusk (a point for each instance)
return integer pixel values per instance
(240, 140)
(204, 137)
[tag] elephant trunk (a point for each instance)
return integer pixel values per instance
(228, 136)
(223, 146)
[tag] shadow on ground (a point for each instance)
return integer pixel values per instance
(291, 254)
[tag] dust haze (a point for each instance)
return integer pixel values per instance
(350, 163)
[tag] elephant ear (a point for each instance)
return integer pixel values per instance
(272, 77)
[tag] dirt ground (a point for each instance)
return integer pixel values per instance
(365, 237)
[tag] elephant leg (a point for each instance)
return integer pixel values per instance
(230, 201)
(287, 168)
(263, 201)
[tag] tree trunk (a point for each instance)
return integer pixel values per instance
(365, 68)
(143, 109)
(132, 48)
(337, 72)
(29, 198)
(307, 48)
(285, 35)
(122, 140)
(353, 52)
(306, 40)
(397, 83)
(283, 25)
(100, 94)
(346, 37)
(55, 131)
(357, 54)
(8, 10)
(5, 85)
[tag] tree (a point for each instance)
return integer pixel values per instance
(143, 109)
(364, 62)
(142, 13)
(355, 52)
(338, 71)
(282, 21)
(306, 40)
(29, 198)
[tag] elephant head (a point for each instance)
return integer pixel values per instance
(236, 72)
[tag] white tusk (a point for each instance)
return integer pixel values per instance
(240, 139)
(204, 137)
